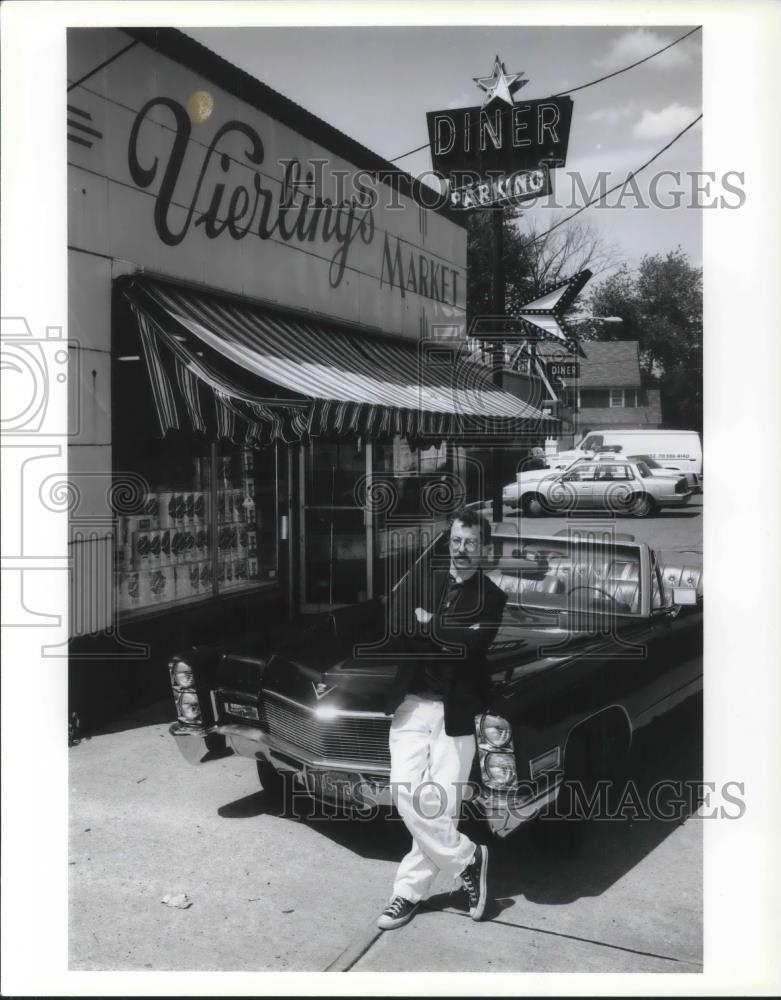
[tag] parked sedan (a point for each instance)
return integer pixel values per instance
(693, 481)
(597, 638)
(512, 492)
(616, 485)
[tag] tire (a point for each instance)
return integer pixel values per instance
(534, 506)
(594, 756)
(642, 506)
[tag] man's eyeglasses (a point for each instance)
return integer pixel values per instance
(470, 544)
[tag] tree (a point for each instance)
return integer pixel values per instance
(533, 258)
(551, 257)
(660, 304)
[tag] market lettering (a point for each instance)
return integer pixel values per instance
(292, 215)
(414, 272)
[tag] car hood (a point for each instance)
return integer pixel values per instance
(529, 478)
(333, 666)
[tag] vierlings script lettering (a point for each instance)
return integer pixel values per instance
(291, 215)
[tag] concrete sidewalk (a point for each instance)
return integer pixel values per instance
(272, 893)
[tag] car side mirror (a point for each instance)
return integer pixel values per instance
(684, 595)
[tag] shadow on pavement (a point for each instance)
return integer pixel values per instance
(247, 807)
(669, 749)
(156, 714)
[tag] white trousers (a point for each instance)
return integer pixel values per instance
(429, 772)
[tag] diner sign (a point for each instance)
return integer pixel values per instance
(501, 138)
(562, 369)
(501, 153)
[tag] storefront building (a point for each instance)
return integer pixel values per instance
(268, 320)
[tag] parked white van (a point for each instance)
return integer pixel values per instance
(681, 450)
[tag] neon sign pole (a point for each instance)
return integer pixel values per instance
(497, 154)
(500, 86)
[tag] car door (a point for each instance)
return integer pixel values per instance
(573, 490)
(612, 486)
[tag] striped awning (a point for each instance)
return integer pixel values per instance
(271, 375)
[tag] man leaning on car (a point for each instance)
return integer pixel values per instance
(439, 689)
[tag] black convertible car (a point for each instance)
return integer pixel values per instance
(599, 636)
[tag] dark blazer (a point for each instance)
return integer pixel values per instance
(457, 638)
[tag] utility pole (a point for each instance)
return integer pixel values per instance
(498, 306)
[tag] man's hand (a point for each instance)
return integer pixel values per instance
(423, 616)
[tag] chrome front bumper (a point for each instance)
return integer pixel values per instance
(503, 812)
(247, 741)
(196, 743)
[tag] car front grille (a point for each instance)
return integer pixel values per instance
(348, 738)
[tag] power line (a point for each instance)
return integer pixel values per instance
(417, 149)
(618, 72)
(629, 176)
(583, 86)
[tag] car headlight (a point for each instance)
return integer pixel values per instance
(495, 731)
(499, 768)
(188, 706)
(182, 674)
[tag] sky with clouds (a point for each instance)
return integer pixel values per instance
(376, 84)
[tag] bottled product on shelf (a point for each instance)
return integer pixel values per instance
(164, 551)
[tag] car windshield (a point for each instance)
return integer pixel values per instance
(644, 471)
(646, 460)
(564, 575)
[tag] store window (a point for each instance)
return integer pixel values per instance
(416, 491)
(246, 518)
(206, 526)
(335, 539)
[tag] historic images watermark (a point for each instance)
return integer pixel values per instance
(333, 796)
(304, 183)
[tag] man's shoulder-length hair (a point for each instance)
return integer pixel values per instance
(471, 519)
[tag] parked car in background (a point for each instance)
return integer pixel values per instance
(657, 469)
(596, 640)
(603, 483)
(512, 491)
(680, 450)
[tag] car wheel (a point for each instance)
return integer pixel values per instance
(594, 766)
(642, 506)
(534, 506)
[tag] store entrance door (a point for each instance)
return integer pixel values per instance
(335, 530)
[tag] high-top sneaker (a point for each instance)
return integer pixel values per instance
(474, 877)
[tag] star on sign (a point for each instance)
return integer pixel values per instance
(500, 85)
